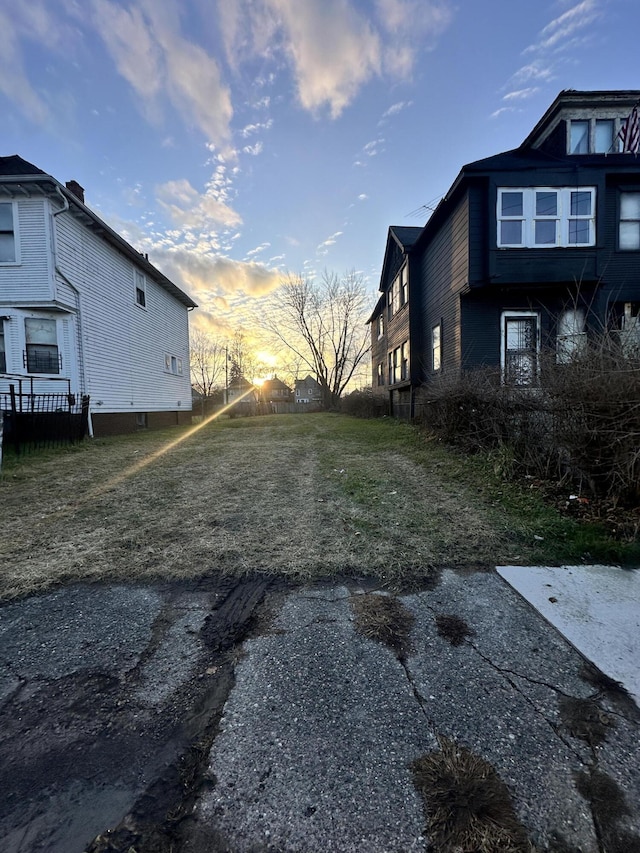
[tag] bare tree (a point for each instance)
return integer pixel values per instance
(323, 323)
(207, 363)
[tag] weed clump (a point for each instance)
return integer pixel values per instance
(467, 806)
(385, 619)
(453, 628)
(585, 720)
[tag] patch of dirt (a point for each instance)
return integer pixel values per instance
(453, 628)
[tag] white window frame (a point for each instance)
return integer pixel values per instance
(380, 374)
(57, 358)
(404, 361)
(380, 325)
(173, 364)
(563, 217)
(628, 219)
(519, 315)
(16, 235)
(140, 285)
(571, 338)
(436, 347)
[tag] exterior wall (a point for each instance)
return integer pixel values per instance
(444, 275)
(110, 347)
(124, 345)
(118, 423)
(29, 281)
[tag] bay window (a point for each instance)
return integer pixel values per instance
(545, 217)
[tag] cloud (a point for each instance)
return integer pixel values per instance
(150, 53)
(564, 28)
(190, 209)
(258, 249)
(332, 48)
(363, 197)
(521, 94)
(412, 26)
(254, 150)
(210, 277)
(396, 108)
(323, 248)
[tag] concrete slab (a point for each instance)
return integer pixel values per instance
(596, 608)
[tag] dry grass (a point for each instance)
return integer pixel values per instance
(467, 806)
(453, 628)
(385, 619)
(304, 496)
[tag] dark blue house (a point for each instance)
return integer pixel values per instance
(531, 249)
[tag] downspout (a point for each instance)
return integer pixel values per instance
(58, 271)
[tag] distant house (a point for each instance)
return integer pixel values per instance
(276, 396)
(535, 248)
(308, 390)
(242, 393)
(82, 311)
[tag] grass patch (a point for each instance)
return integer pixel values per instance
(467, 806)
(305, 496)
(453, 628)
(385, 619)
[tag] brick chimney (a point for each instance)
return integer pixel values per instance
(75, 188)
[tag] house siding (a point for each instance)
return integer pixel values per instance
(124, 345)
(444, 274)
(30, 282)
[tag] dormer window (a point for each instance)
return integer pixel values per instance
(592, 136)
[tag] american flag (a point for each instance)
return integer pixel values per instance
(630, 133)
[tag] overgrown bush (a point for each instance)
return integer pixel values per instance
(580, 425)
(364, 404)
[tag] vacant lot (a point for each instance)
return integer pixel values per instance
(304, 496)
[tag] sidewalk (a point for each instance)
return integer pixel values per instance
(213, 717)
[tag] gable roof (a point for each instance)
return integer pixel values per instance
(20, 176)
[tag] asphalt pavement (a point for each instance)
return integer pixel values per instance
(218, 716)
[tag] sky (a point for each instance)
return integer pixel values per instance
(239, 141)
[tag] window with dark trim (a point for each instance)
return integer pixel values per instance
(3, 355)
(141, 290)
(7, 234)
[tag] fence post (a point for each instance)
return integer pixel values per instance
(14, 419)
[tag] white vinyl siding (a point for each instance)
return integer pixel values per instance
(124, 348)
(29, 279)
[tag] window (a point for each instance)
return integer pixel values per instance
(436, 347)
(41, 353)
(404, 285)
(380, 374)
(142, 420)
(604, 141)
(579, 137)
(629, 230)
(520, 347)
(8, 253)
(3, 355)
(404, 360)
(380, 325)
(398, 293)
(141, 290)
(544, 217)
(593, 136)
(390, 371)
(173, 364)
(627, 327)
(571, 338)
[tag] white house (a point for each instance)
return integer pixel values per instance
(82, 311)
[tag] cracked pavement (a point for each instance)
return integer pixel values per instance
(245, 716)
